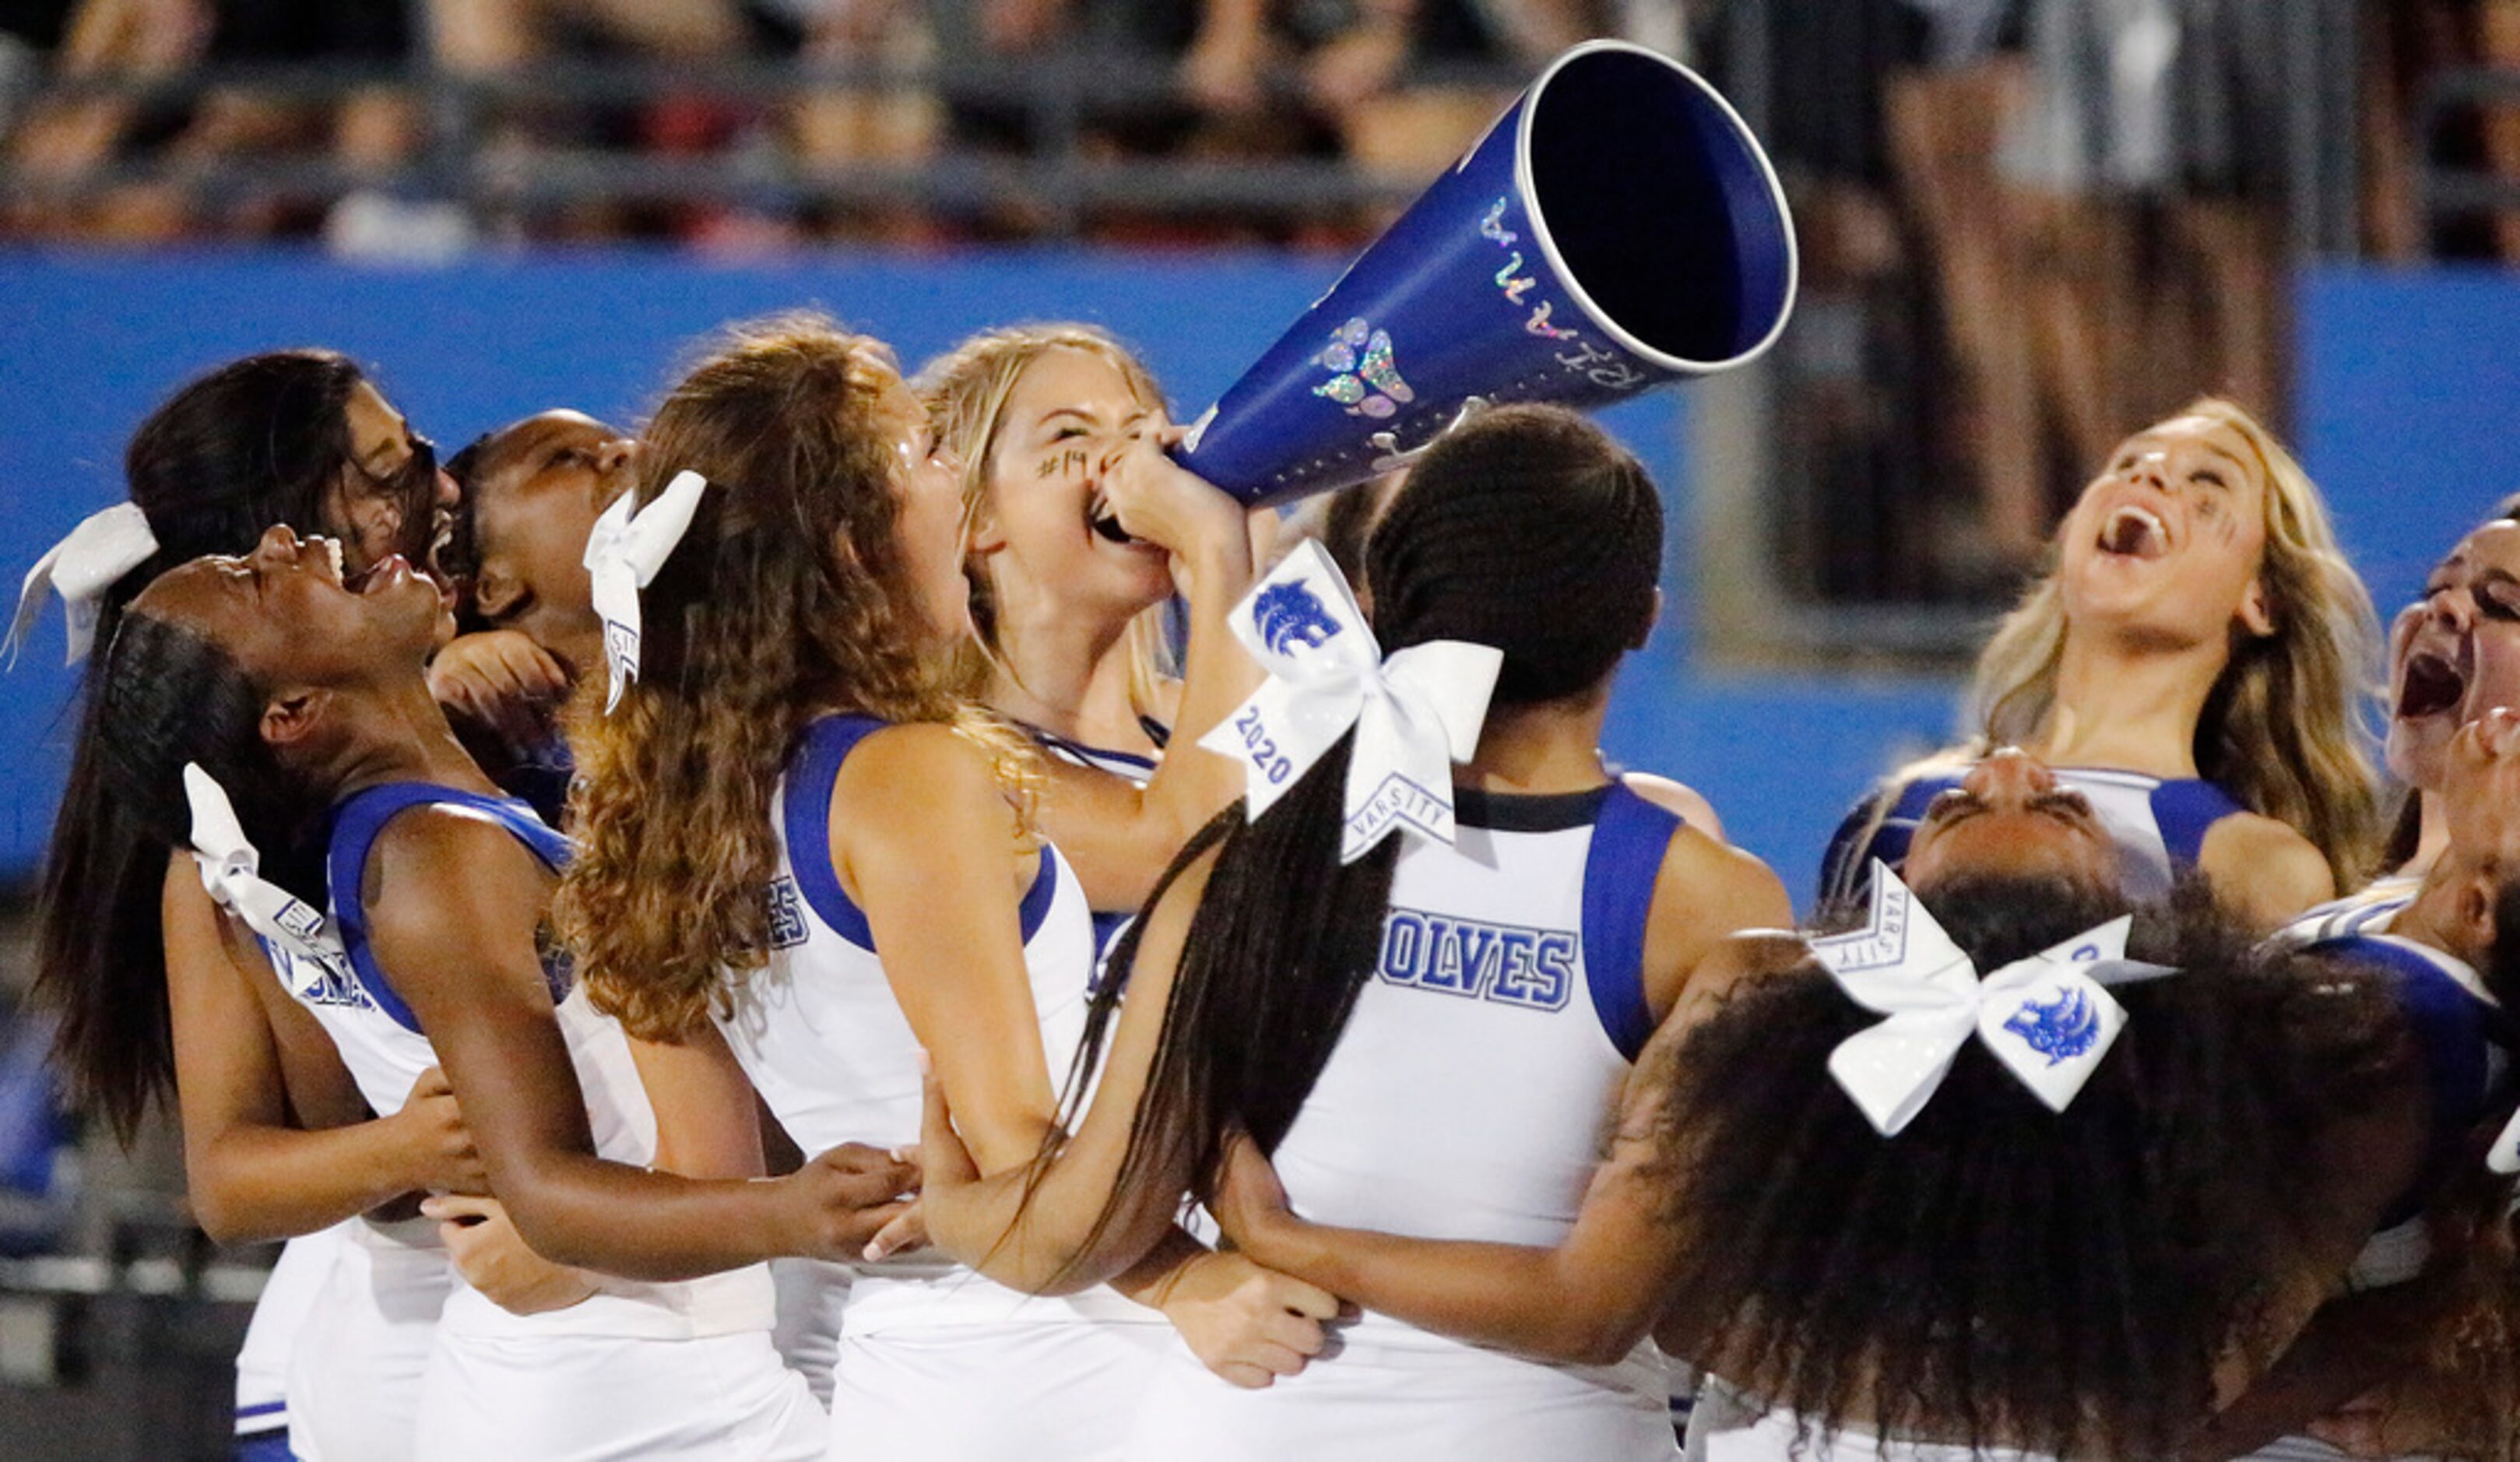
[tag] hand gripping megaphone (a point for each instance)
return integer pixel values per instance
(1616, 228)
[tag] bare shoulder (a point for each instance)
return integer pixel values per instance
(915, 766)
(1676, 797)
(1731, 962)
(2264, 867)
(1727, 886)
(1705, 891)
(1753, 952)
(446, 839)
(449, 870)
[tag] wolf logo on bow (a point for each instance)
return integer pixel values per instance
(2060, 1029)
(1289, 614)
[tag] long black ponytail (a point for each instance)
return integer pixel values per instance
(1527, 529)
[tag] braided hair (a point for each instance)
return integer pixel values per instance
(1527, 529)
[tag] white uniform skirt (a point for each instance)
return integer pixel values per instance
(1727, 1427)
(681, 1371)
(960, 1370)
(812, 1294)
(354, 1371)
(1426, 1396)
(289, 1297)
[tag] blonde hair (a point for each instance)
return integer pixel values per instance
(789, 595)
(2286, 730)
(966, 391)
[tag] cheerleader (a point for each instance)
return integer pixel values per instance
(309, 696)
(2190, 666)
(796, 838)
(2418, 1305)
(1078, 545)
(2452, 654)
(1428, 1033)
(532, 491)
(171, 999)
(2090, 1177)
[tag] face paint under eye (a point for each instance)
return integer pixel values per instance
(1062, 463)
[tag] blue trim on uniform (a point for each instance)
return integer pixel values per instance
(358, 820)
(2453, 1030)
(1127, 764)
(1108, 925)
(815, 764)
(2183, 811)
(260, 1409)
(1035, 907)
(2186, 810)
(1846, 868)
(264, 1446)
(1629, 837)
(820, 753)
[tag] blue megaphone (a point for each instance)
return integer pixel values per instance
(1617, 228)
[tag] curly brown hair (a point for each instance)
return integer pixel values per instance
(2000, 1274)
(788, 597)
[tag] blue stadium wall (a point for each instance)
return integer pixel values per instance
(2407, 410)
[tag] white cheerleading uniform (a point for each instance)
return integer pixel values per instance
(638, 1370)
(289, 1295)
(1135, 770)
(2369, 910)
(813, 1292)
(2467, 1042)
(1728, 1426)
(935, 1362)
(1467, 1099)
(355, 1363)
(2159, 826)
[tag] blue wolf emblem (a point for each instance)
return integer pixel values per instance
(2060, 1029)
(1289, 614)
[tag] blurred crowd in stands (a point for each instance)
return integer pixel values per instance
(2025, 222)
(819, 86)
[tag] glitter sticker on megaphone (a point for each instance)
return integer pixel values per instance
(1618, 227)
(1367, 384)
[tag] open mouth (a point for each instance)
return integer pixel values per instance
(332, 556)
(378, 573)
(441, 536)
(2431, 686)
(1100, 517)
(2132, 532)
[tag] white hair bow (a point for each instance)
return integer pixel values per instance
(232, 873)
(80, 568)
(1415, 714)
(623, 555)
(2047, 1018)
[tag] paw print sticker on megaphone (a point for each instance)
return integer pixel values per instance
(1368, 382)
